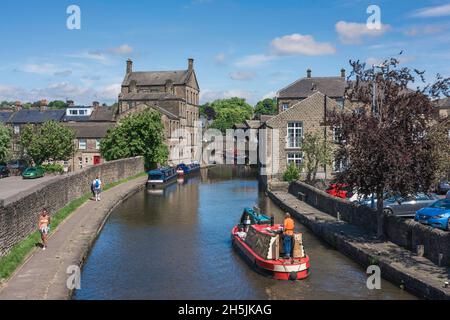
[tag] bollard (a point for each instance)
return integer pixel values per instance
(338, 216)
(420, 250)
(440, 258)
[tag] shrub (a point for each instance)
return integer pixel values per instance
(53, 168)
(292, 173)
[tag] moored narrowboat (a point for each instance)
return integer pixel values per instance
(185, 169)
(259, 243)
(160, 178)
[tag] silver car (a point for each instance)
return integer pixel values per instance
(406, 206)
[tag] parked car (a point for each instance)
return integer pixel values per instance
(17, 165)
(443, 187)
(406, 206)
(437, 215)
(33, 173)
(4, 171)
(343, 191)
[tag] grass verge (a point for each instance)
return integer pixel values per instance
(10, 262)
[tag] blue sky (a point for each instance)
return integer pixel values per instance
(241, 48)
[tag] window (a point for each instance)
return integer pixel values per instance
(82, 145)
(294, 134)
(16, 129)
(82, 112)
(337, 134)
(339, 166)
(97, 144)
(284, 106)
(74, 112)
(296, 158)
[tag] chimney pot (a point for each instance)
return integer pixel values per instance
(129, 66)
(308, 73)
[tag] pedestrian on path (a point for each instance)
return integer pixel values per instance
(44, 227)
(97, 184)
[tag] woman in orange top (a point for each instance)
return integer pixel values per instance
(289, 227)
(44, 227)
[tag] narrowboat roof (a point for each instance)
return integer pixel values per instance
(257, 215)
(160, 170)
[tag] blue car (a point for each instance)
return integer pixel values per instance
(437, 215)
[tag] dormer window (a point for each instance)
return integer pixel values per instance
(284, 106)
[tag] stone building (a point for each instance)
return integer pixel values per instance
(175, 94)
(302, 108)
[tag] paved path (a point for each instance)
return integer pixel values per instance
(399, 265)
(43, 276)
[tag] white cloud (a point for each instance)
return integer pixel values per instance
(242, 75)
(424, 30)
(61, 91)
(121, 50)
(211, 95)
(270, 95)
(354, 33)
(220, 58)
(437, 11)
(45, 68)
(90, 55)
(298, 44)
(254, 60)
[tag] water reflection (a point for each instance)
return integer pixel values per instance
(176, 245)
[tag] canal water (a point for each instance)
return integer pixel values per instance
(176, 245)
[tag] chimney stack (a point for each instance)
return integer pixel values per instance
(190, 64)
(43, 105)
(342, 73)
(96, 104)
(70, 103)
(129, 66)
(18, 105)
(308, 73)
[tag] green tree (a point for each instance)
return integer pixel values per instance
(57, 104)
(230, 111)
(317, 152)
(50, 142)
(140, 134)
(266, 107)
(292, 173)
(5, 142)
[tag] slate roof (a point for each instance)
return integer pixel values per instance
(155, 78)
(331, 86)
(4, 116)
(102, 114)
(443, 103)
(36, 116)
(90, 130)
(149, 96)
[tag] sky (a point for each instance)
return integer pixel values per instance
(245, 48)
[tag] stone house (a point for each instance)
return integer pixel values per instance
(284, 134)
(175, 94)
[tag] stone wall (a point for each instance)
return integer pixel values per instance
(403, 232)
(19, 214)
(358, 215)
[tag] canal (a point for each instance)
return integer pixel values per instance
(176, 245)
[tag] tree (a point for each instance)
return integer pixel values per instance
(5, 142)
(51, 141)
(57, 104)
(230, 112)
(266, 107)
(208, 111)
(140, 134)
(292, 173)
(318, 153)
(389, 143)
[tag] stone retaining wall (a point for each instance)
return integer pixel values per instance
(404, 232)
(19, 214)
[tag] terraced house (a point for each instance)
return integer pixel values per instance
(175, 94)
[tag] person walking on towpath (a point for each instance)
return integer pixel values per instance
(288, 233)
(97, 184)
(44, 227)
